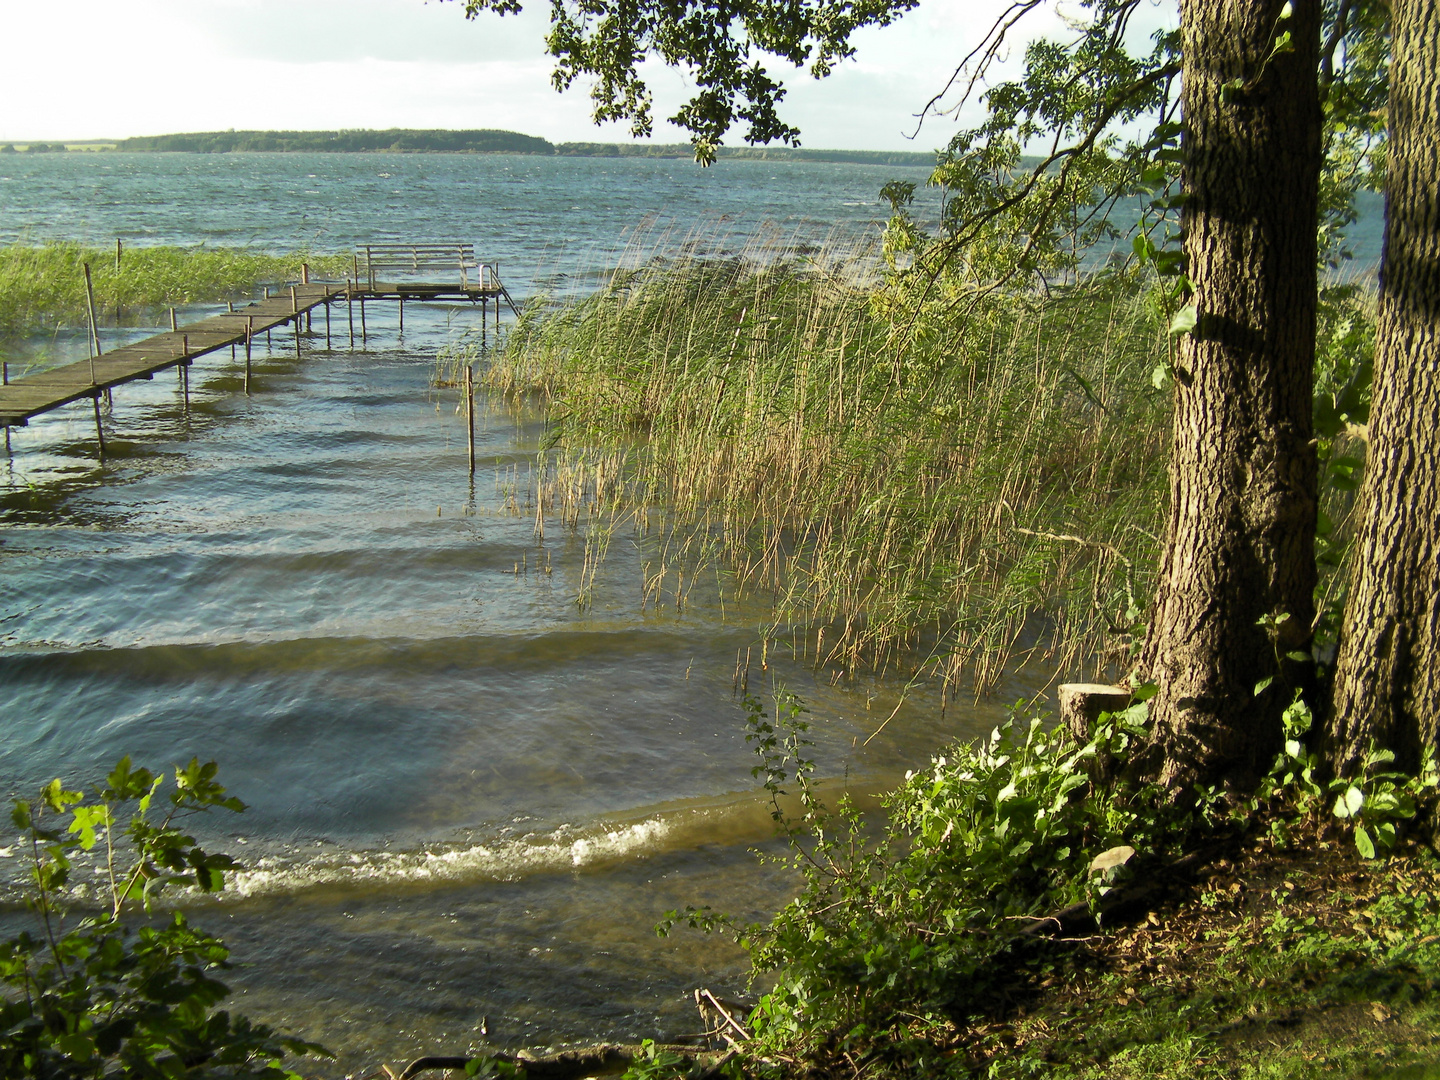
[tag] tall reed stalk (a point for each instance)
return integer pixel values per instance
(42, 287)
(931, 490)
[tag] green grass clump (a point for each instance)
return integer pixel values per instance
(896, 480)
(42, 287)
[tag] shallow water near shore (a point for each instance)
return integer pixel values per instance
(470, 797)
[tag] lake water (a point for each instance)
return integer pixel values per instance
(470, 799)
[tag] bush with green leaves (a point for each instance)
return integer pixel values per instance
(124, 991)
(909, 924)
(1374, 805)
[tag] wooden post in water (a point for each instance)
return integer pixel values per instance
(94, 330)
(402, 314)
(117, 254)
(5, 375)
(230, 305)
(185, 369)
(364, 334)
(327, 325)
(249, 337)
(305, 280)
(470, 414)
(350, 311)
(296, 320)
(99, 427)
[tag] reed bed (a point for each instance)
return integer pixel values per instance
(42, 287)
(914, 484)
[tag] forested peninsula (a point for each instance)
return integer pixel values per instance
(481, 141)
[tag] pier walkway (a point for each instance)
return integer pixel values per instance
(31, 395)
(45, 390)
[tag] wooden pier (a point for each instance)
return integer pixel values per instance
(31, 395)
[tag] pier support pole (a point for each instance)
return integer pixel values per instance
(94, 327)
(184, 368)
(350, 311)
(470, 414)
(327, 325)
(249, 338)
(99, 427)
(364, 334)
(402, 314)
(297, 337)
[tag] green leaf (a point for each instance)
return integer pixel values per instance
(76, 1046)
(1363, 842)
(1349, 802)
(1184, 320)
(1263, 684)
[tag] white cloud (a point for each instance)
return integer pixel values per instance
(95, 68)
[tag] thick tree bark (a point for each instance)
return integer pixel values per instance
(1387, 676)
(1240, 538)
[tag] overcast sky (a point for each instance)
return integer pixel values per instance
(83, 69)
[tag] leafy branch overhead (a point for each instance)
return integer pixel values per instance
(723, 49)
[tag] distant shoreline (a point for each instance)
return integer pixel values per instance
(478, 141)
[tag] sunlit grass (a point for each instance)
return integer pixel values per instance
(42, 287)
(963, 483)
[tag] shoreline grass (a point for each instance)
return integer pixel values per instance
(42, 287)
(958, 486)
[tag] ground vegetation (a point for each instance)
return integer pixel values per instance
(106, 985)
(42, 286)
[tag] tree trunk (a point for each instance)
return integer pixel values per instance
(1240, 537)
(1387, 676)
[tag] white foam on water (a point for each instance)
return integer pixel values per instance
(503, 860)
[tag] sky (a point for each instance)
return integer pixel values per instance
(97, 69)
